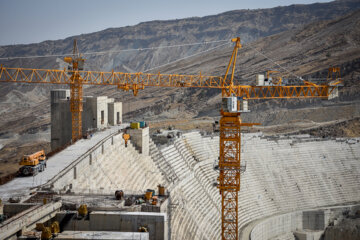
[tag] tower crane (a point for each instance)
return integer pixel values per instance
(230, 122)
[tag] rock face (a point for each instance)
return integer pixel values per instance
(347, 229)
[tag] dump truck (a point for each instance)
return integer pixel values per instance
(33, 164)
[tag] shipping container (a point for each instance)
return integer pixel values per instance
(142, 124)
(135, 125)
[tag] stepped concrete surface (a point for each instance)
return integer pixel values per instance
(24, 185)
(283, 174)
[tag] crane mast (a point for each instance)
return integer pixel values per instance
(229, 159)
(76, 92)
(230, 122)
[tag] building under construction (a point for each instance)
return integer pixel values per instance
(118, 184)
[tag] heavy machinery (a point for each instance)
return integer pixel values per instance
(33, 164)
(230, 123)
(126, 138)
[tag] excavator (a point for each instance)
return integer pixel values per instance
(233, 97)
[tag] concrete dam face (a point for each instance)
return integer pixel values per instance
(288, 184)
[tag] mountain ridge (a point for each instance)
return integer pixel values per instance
(306, 50)
(252, 24)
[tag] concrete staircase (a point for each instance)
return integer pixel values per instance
(282, 175)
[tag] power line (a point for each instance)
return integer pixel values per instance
(115, 51)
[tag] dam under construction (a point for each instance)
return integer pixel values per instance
(106, 178)
(291, 186)
(110, 179)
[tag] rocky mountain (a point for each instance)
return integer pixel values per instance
(249, 24)
(304, 39)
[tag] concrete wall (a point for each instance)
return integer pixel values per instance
(89, 114)
(27, 219)
(101, 112)
(140, 138)
(315, 220)
(60, 118)
(94, 115)
(277, 225)
(156, 223)
(83, 235)
(302, 224)
(12, 209)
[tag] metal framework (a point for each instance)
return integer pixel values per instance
(76, 94)
(137, 81)
(230, 123)
(229, 166)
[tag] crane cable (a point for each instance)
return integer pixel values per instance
(160, 47)
(273, 61)
(115, 51)
(183, 58)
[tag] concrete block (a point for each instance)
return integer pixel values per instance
(308, 235)
(140, 138)
(60, 118)
(95, 113)
(120, 221)
(315, 220)
(102, 235)
(114, 113)
(12, 209)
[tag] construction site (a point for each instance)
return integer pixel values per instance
(110, 172)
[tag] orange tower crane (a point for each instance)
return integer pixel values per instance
(230, 123)
(76, 91)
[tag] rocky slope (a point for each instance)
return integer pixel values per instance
(249, 24)
(305, 50)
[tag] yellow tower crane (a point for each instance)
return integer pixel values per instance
(230, 122)
(76, 91)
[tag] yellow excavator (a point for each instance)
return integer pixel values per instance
(33, 164)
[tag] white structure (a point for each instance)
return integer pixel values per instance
(114, 112)
(282, 175)
(98, 113)
(140, 138)
(285, 177)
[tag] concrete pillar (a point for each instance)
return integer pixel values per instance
(95, 114)
(140, 138)
(60, 118)
(114, 113)
(315, 220)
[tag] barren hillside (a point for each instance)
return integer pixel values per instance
(304, 50)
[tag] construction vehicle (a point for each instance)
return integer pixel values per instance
(154, 200)
(82, 210)
(126, 138)
(33, 164)
(230, 122)
(119, 194)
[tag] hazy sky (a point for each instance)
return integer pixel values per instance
(30, 21)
